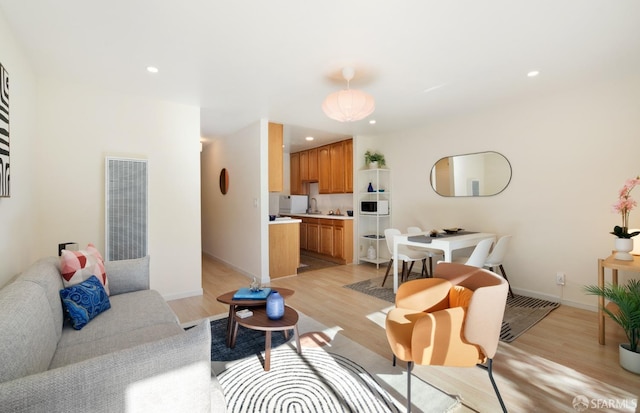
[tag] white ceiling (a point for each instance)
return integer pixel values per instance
(243, 60)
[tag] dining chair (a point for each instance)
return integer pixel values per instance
(453, 319)
(496, 258)
(431, 252)
(478, 256)
(405, 254)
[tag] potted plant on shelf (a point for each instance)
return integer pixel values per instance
(624, 241)
(374, 159)
(625, 311)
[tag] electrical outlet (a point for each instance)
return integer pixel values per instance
(560, 278)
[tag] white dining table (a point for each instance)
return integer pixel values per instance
(446, 243)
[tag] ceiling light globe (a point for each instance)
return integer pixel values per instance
(348, 105)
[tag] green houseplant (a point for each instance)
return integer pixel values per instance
(374, 157)
(626, 313)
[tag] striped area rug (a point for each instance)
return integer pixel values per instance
(520, 314)
(332, 375)
(316, 382)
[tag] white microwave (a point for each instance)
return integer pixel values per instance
(374, 207)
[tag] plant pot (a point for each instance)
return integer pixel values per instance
(623, 247)
(373, 165)
(629, 360)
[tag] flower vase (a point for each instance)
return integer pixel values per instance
(373, 165)
(623, 247)
(275, 306)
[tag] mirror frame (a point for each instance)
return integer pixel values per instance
(433, 171)
(224, 181)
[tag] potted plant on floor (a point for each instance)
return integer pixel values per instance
(624, 309)
(374, 159)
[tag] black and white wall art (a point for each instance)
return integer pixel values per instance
(4, 133)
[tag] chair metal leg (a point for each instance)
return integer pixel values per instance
(504, 274)
(386, 274)
(489, 368)
(430, 275)
(409, 368)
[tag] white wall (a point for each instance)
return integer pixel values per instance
(235, 225)
(77, 128)
(570, 154)
(17, 223)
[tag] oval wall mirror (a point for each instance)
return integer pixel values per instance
(472, 174)
(224, 181)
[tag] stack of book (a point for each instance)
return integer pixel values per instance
(247, 294)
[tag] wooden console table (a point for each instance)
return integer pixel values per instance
(614, 265)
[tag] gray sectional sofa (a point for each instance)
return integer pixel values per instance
(134, 357)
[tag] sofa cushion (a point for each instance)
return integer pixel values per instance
(83, 302)
(46, 273)
(128, 312)
(78, 266)
(84, 351)
(27, 334)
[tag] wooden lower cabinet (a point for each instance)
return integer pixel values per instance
(329, 239)
(284, 249)
(313, 234)
(326, 237)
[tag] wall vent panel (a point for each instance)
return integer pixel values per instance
(126, 211)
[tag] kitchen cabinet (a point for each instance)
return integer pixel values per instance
(336, 160)
(276, 165)
(326, 237)
(329, 239)
(297, 187)
(313, 165)
(284, 248)
(313, 234)
(304, 166)
(348, 166)
(324, 170)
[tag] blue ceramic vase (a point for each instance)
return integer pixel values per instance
(275, 306)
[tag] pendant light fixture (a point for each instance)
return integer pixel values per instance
(348, 105)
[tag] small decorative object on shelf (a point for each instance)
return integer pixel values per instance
(255, 285)
(371, 253)
(275, 306)
(374, 159)
(624, 241)
(370, 188)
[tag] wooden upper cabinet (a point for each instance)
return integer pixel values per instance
(324, 170)
(276, 165)
(313, 165)
(304, 166)
(337, 167)
(348, 166)
(329, 165)
(296, 183)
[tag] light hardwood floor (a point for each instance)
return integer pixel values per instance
(541, 371)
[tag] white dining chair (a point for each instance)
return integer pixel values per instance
(496, 258)
(405, 254)
(478, 256)
(431, 252)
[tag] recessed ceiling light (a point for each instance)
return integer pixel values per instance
(533, 73)
(309, 138)
(152, 69)
(372, 122)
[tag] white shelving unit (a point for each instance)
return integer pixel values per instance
(371, 226)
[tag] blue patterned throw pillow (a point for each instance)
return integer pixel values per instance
(82, 302)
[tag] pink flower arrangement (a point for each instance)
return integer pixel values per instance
(624, 206)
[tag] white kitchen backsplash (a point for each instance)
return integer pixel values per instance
(327, 202)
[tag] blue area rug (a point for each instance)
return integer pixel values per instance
(248, 342)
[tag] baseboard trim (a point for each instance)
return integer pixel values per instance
(186, 294)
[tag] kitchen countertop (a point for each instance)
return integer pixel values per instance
(283, 220)
(323, 216)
